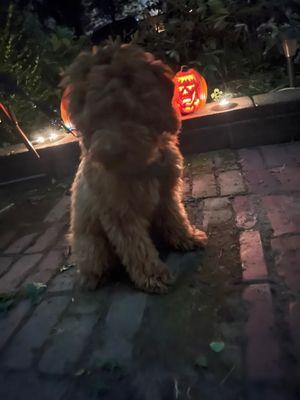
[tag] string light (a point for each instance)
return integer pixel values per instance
(224, 102)
(40, 139)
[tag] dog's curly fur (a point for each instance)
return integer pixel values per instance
(130, 176)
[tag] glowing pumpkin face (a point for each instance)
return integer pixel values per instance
(190, 91)
(64, 110)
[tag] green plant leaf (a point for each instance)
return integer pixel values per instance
(217, 7)
(217, 346)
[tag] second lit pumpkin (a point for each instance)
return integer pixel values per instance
(64, 109)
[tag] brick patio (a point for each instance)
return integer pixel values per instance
(118, 343)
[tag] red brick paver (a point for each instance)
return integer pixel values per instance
(261, 181)
(216, 211)
(244, 208)
(287, 260)
(20, 352)
(250, 159)
(277, 156)
(46, 239)
(29, 384)
(59, 210)
(252, 256)
(294, 320)
(19, 245)
(47, 268)
(17, 273)
(6, 238)
(282, 213)
(204, 186)
(225, 160)
(67, 344)
(66, 334)
(262, 351)
(294, 149)
(4, 264)
(9, 324)
(231, 182)
(199, 164)
(64, 281)
(289, 177)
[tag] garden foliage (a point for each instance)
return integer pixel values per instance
(235, 44)
(32, 58)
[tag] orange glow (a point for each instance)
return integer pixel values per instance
(187, 77)
(64, 112)
(190, 92)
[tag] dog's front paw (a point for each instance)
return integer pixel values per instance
(197, 240)
(157, 279)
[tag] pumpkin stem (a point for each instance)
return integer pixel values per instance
(184, 68)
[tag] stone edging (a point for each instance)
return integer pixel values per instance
(264, 119)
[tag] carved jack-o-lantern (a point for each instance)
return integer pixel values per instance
(190, 90)
(64, 109)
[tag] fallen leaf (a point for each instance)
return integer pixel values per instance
(65, 267)
(216, 346)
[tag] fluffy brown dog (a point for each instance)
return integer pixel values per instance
(129, 179)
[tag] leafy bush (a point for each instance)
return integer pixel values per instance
(234, 43)
(34, 58)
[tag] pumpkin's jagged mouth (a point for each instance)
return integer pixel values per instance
(187, 101)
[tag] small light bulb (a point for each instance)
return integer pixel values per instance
(53, 136)
(40, 139)
(224, 102)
